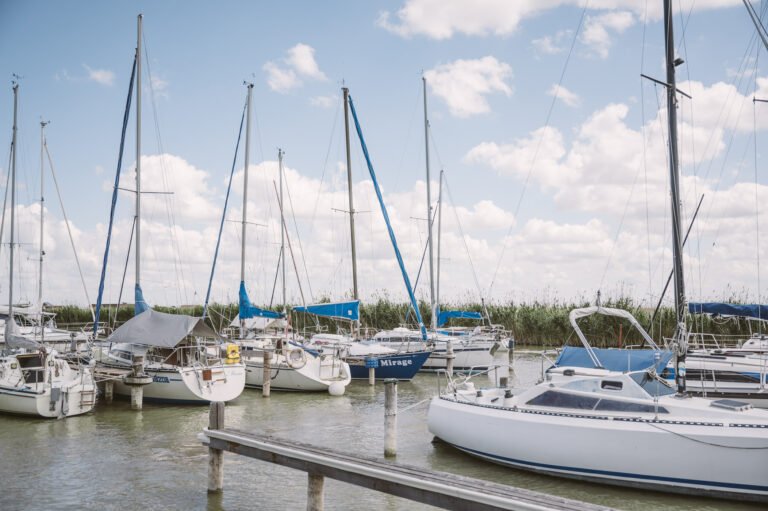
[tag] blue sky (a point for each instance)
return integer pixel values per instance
(492, 67)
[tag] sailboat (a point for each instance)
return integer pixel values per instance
(473, 350)
(35, 380)
(362, 355)
(183, 356)
(613, 419)
(717, 369)
(261, 331)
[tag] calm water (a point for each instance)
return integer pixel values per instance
(116, 458)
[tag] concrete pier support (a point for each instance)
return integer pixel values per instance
(136, 380)
(390, 417)
(315, 484)
(449, 358)
(267, 374)
(109, 391)
(215, 456)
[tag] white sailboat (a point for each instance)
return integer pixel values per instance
(292, 367)
(611, 422)
(172, 349)
(33, 380)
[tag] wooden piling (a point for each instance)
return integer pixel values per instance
(315, 492)
(390, 417)
(109, 391)
(371, 376)
(215, 456)
(267, 374)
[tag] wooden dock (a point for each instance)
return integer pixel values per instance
(439, 489)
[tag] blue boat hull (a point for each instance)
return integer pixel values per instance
(401, 366)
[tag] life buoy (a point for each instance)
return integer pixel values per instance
(296, 359)
(233, 353)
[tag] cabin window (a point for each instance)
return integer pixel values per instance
(34, 376)
(562, 400)
(611, 405)
(611, 385)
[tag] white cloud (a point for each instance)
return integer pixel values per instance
(287, 74)
(551, 45)
(323, 101)
(302, 58)
(101, 76)
(597, 31)
(464, 84)
(564, 95)
(280, 79)
(160, 86)
(442, 19)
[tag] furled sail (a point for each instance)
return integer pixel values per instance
(340, 310)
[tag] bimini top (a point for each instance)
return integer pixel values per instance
(444, 316)
(153, 328)
(614, 359)
(339, 310)
(730, 309)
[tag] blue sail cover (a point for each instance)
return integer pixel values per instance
(444, 316)
(249, 311)
(730, 309)
(341, 310)
(139, 304)
(614, 359)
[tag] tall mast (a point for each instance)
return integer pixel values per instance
(42, 212)
(429, 210)
(282, 223)
(439, 239)
(351, 200)
(674, 171)
(13, 202)
(137, 254)
(245, 192)
(674, 180)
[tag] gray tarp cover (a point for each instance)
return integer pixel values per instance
(153, 328)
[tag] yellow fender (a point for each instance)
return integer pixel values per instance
(233, 353)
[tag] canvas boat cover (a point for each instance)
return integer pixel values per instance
(158, 329)
(614, 359)
(14, 339)
(444, 316)
(340, 310)
(756, 311)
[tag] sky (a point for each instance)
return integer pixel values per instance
(554, 149)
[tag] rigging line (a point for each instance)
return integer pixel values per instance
(224, 212)
(757, 206)
(645, 153)
(5, 200)
(298, 236)
(414, 111)
(114, 199)
(463, 237)
(69, 231)
(277, 273)
(325, 163)
(538, 145)
(290, 249)
(125, 271)
(170, 214)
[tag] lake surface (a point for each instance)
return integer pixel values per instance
(116, 458)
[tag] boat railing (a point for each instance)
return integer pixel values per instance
(454, 380)
(710, 341)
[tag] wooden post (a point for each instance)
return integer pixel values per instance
(136, 380)
(390, 417)
(216, 456)
(315, 492)
(137, 397)
(267, 374)
(449, 357)
(109, 391)
(371, 376)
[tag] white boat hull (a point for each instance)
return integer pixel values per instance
(316, 375)
(190, 385)
(659, 454)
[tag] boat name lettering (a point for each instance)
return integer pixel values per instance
(385, 362)
(160, 379)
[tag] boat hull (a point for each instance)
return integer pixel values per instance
(598, 449)
(188, 385)
(399, 366)
(68, 403)
(314, 376)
